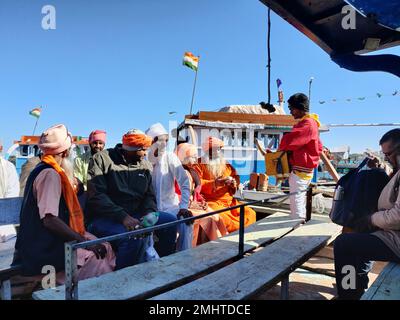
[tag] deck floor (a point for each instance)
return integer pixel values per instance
(315, 279)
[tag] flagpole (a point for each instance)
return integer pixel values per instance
(37, 121)
(194, 87)
(34, 130)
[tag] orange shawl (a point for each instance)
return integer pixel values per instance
(75, 212)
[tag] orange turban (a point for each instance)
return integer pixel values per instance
(185, 150)
(135, 139)
(211, 143)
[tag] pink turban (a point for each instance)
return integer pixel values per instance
(97, 135)
(185, 150)
(55, 140)
(212, 143)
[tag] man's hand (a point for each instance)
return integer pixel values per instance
(364, 225)
(99, 250)
(131, 223)
(220, 182)
(231, 182)
(374, 163)
(184, 213)
(78, 186)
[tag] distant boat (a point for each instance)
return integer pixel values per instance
(28, 147)
(239, 127)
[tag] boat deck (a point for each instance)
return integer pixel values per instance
(315, 280)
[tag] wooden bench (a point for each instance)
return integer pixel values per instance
(9, 214)
(152, 278)
(262, 270)
(386, 286)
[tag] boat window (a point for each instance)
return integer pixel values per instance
(24, 150)
(36, 150)
(227, 137)
(183, 135)
(270, 141)
(245, 140)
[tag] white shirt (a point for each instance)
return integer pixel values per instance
(166, 170)
(9, 182)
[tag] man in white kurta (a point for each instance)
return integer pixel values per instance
(9, 182)
(168, 170)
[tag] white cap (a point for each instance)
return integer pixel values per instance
(156, 130)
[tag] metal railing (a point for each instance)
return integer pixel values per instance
(71, 282)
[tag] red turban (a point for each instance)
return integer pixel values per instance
(97, 135)
(211, 143)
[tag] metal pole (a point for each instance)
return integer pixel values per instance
(71, 285)
(309, 89)
(309, 203)
(241, 233)
(269, 55)
(194, 87)
(34, 129)
(5, 290)
(285, 288)
(125, 235)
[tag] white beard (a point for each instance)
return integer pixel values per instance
(68, 166)
(161, 147)
(216, 166)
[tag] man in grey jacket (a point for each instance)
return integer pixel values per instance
(377, 236)
(120, 193)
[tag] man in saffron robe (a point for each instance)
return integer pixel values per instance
(219, 182)
(205, 229)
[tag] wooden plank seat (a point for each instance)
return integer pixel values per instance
(261, 270)
(386, 286)
(151, 278)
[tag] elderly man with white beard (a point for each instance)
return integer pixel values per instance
(51, 215)
(219, 182)
(168, 170)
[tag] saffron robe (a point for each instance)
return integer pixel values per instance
(222, 197)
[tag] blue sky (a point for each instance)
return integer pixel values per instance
(117, 65)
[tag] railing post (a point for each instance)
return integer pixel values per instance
(241, 233)
(5, 290)
(71, 283)
(309, 202)
(285, 288)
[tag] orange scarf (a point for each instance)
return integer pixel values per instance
(75, 212)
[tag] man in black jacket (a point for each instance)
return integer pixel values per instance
(120, 193)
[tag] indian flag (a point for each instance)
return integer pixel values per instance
(36, 112)
(191, 61)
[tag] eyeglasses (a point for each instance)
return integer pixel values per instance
(388, 154)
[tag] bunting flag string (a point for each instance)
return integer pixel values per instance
(378, 95)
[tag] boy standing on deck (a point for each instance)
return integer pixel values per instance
(304, 150)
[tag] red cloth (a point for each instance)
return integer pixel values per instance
(178, 190)
(305, 145)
